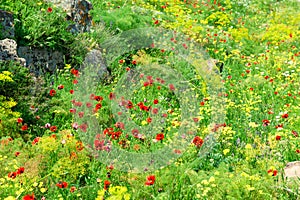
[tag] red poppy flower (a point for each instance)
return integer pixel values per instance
(149, 120)
(80, 114)
(155, 101)
(298, 151)
(108, 131)
(272, 172)
(134, 62)
(98, 106)
(49, 10)
(295, 133)
(21, 170)
(75, 72)
(129, 105)
(71, 91)
(279, 126)
(106, 184)
(19, 120)
(155, 110)
(121, 61)
(53, 128)
(171, 86)
(99, 145)
(120, 125)
(145, 108)
(278, 137)
(198, 141)
(116, 135)
(12, 175)
(52, 92)
(150, 180)
(78, 103)
(73, 189)
(156, 22)
(75, 81)
(285, 115)
(60, 87)
(17, 153)
(62, 184)
(88, 104)
(73, 110)
(112, 96)
(36, 140)
(98, 98)
(146, 84)
(83, 127)
(29, 197)
(266, 122)
(24, 128)
(159, 136)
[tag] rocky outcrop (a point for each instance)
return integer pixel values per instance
(8, 51)
(95, 61)
(78, 12)
(41, 60)
(80, 15)
(6, 25)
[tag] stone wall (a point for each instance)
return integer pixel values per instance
(6, 25)
(8, 51)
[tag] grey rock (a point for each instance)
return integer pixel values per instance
(94, 61)
(78, 12)
(41, 60)
(292, 170)
(7, 29)
(8, 51)
(80, 15)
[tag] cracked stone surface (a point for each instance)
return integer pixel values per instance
(8, 51)
(41, 60)
(78, 12)
(7, 29)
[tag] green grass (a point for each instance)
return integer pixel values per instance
(242, 156)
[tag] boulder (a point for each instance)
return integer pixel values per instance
(80, 15)
(95, 61)
(292, 170)
(41, 60)
(6, 25)
(8, 51)
(78, 12)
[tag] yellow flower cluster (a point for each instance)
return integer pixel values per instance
(6, 76)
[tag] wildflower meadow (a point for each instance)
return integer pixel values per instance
(199, 100)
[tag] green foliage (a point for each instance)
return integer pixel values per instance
(37, 27)
(121, 19)
(26, 91)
